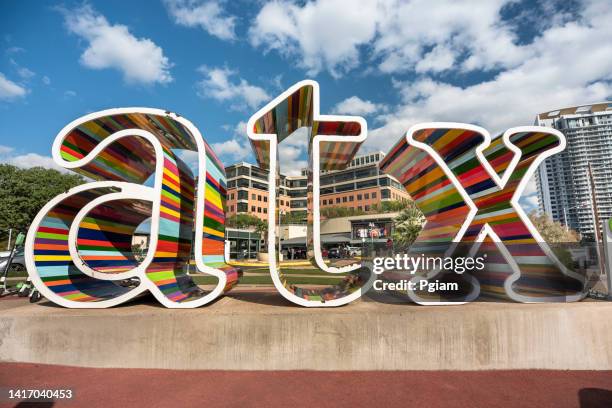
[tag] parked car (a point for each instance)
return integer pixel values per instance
(354, 251)
(334, 253)
(17, 265)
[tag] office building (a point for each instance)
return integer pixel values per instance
(564, 186)
(361, 185)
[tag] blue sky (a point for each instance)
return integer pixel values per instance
(496, 63)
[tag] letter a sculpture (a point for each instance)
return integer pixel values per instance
(79, 247)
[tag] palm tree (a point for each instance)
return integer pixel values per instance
(407, 225)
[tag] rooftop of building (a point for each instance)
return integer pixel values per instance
(577, 110)
(357, 161)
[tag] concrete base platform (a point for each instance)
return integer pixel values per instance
(255, 331)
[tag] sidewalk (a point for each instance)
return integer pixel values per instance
(103, 387)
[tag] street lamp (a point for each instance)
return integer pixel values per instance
(583, 204)
(281, 213)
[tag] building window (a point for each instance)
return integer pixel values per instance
(231, 208)
(351, 198)
(243, 195)
(367, 208)
(232, 196)
(259, 210)
(265, 199)
(253, 197)
(252, 208)
(367, 196)
(337, 200)
(373, 195)
(242, 207)
(344, 199)
(258, 198)
(345, 187)
(231, 172)
(366, 184)
(385, 193)
(359, 197)
(265, 210)
(367, 172)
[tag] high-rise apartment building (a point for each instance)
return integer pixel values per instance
(564, 186)
(360, 186)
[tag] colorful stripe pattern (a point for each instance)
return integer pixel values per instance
(104, 243)
(54, 264)
(541, 276)
(294, 109)
(105, 234)
(213, 239)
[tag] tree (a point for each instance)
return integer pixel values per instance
(248, 221)
(556, 235)
(243, 221)
(553, 232)
(23, 192)
(337, 212)
(380, 208)
(294, 217)
(390, 206)
(407, 225)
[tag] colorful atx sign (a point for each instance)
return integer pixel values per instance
(79, 248)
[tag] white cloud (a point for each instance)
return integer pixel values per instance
(27, 160)
(568, 65)
(357, 106)
(289, 159)
(292, 153)
(439, 59)
(14, 50)
(529, 199)
(233, 149)
(531, 187)
(318, 35)
(238, 147)
(4, 150)
(69, 94)
(34, 160)
(529, 203)
(452, 28)
(46, 80)
(218, 84)
(189, 157)
(327, 35)
(277, 82)
(23, 72)
(140, 60)
(209, 15)
(9, 90)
